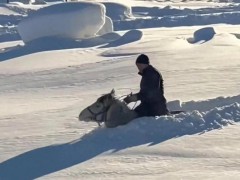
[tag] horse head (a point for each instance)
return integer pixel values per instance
(96, 111)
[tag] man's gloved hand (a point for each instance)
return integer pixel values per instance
(130, 98)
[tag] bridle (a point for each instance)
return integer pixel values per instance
(103, 112)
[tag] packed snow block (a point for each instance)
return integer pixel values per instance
(75, 20)
(117, 11)
(107, 27)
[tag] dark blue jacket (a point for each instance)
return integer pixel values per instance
(151, 86)
(151, 94)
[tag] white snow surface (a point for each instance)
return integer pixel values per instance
(45, 83)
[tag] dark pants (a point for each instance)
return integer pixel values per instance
(151, 109)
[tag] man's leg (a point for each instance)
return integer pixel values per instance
(158, 109)
(142, 110)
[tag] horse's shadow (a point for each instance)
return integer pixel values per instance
(42, 161)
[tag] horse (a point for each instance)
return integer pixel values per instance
(108, 110)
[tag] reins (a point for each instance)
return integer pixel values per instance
(120, 98)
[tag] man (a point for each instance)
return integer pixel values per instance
(151, 94)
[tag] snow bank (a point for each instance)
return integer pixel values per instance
(204, 105)
(107, 27)
(208, 115)
(142, 131)
(117, 11)
(70, 20)
(153, 130)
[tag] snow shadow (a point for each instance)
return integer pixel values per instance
(202, 35)
(9, 34)
(128, 37)
(237, 36)
(204, 105)
(9, 37)
(142, 131)
(57, 43)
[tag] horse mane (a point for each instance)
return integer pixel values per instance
(106, 96)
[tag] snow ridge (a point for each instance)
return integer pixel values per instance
(106, 141)
(154, 130)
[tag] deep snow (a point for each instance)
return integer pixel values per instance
(74, 20)
(45, 84)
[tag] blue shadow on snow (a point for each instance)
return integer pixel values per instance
(42, 161)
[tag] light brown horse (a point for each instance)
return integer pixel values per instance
(108, 110)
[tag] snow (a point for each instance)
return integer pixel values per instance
(75, 20)
(107, 26)
(118, 11)
(144, 131)
(202, 35)
(45, 83)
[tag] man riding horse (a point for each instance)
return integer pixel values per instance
(151, 94)
(113, 112)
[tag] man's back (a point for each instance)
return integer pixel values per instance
(151, 85)
(151, 94)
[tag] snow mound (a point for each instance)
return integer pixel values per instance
(156, 129)
(142, 131)
(117, 11)
(153, 130)
(128, 37)
(107, 27)
(204, 105)
(75, 20)
(202, 35)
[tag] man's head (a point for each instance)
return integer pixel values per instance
(142, 62)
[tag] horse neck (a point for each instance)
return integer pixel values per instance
(120, 112)
(120, 103)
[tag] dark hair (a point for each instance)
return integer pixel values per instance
(142, 59)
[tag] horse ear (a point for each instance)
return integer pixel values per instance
(113, 92)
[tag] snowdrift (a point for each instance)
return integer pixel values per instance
(117, 11)
(202, 35)
(107, 27)
(112, 15)
(200, 116)
(142, 131)
(74, 20)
